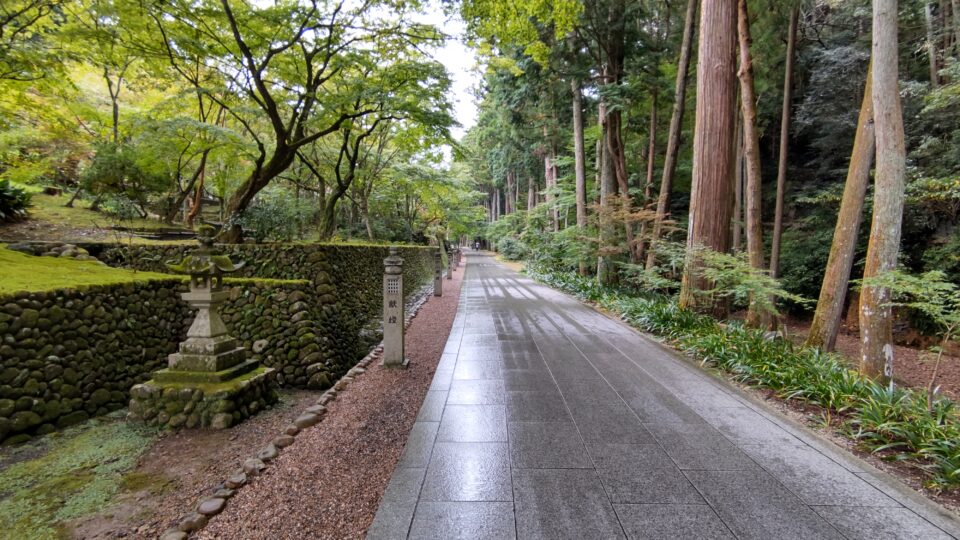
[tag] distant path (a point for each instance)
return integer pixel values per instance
(548, 420)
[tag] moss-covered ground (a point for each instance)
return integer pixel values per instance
(68, 475)
(51, 208)
(21, 272)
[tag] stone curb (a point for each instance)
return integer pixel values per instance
(219, 496)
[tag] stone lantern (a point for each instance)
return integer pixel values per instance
(209, 382)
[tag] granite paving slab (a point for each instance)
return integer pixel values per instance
(546, 419)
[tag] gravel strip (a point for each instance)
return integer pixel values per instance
(329, 483)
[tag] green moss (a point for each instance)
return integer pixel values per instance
(23, 272)
(212, 388)
(74, 473)
(265, 281)
(51, 208)
(155, 484)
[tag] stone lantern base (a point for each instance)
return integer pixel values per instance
(215, 404)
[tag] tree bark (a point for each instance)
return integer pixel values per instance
(579, 164)
(531, 194)
(673, 138)
(606, 273)
(955, 15)
(784, 144)
(738, 189)
(751, 146)
(836, 278)
(876, 324)
(711, 199)
(931, 45)
(648, 186)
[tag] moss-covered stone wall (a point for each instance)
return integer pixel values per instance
(346, 284)
(67, 355)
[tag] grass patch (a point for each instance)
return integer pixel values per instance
(23, 272)
(76, 473)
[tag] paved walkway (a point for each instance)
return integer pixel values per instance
(548, 420)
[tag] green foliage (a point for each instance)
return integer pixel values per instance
(734, 279)
(512, 249)
(897, 424)
(278, 217)
(115, 171)
(14, 202)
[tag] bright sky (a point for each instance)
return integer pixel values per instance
(460, 61)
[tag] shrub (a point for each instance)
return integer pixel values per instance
(14, 202)
(512, 249)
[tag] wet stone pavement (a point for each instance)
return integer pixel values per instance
(547, 419)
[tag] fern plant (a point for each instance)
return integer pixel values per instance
(14, 202)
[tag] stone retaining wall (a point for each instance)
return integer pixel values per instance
(346, 283)
(67, 355)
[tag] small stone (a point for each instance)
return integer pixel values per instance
(221, 421)
(193, 522)
(211, 507)
(174, 535)
(224, 493)
(268, 454)
(253, 466)
(291, 430)
(236, 480)
(306, 420)
(283, 441)
(318, 410)
(259, 345)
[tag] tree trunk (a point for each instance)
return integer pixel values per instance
(198, 198)
(836, 278)
(876, 357)
(606, 274)
(531, 194)
(955, 15)
(711, 198)
(931, 45)
(258, 179)
(580, 166)
(673, 138)
(508, 207)
(647, 188)
(738, 189)
(751, 146)
(784, 144)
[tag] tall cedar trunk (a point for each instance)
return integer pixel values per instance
(579, 164)
(876, 325)
(618, 160)
(531, 194)
(836, 278)
(751, 146)
(648, 187)
(784, 144)
(738, 189)
(673, 138)
(508, 207)
(711, 198)
(931, 44)
(955, 15)
(608, 190)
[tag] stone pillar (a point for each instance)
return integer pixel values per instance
(393, 354)
(450, 264)
(437, 273)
